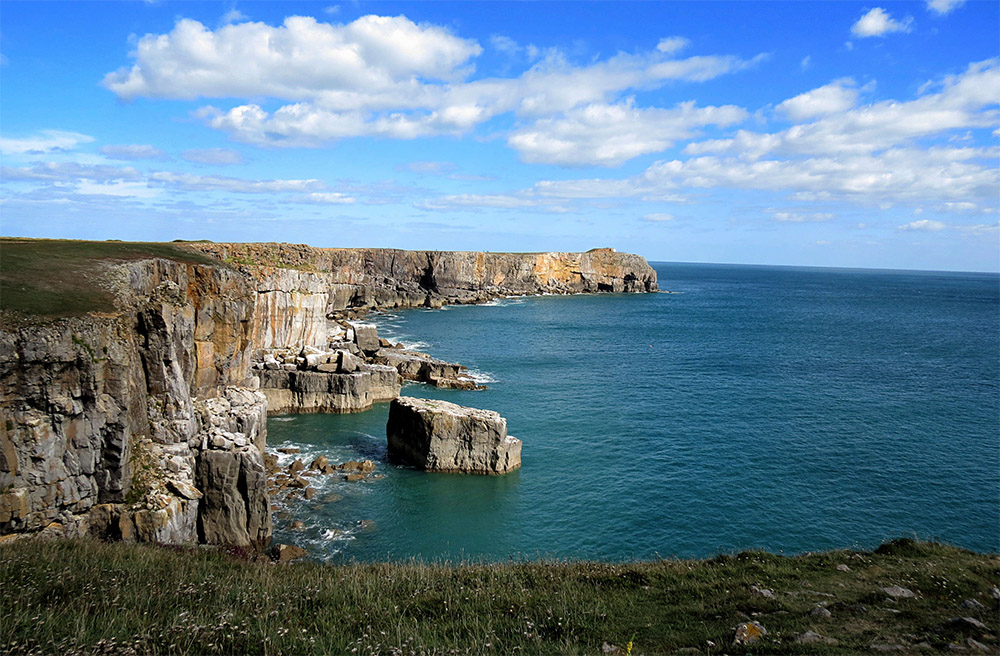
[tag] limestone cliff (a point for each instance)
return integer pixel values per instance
(105, 418)
(143, 420)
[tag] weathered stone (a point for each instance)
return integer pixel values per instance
(357, 466)
(319, 462)
(366, 337)
(289, 450)
(285, 553)
(309, 492)
(296, 467)
(762, 592)
(843, 568)
(298, 525)
(897, 592)
(441, 436)
(235, 507)
(967, 624)
(353, 478)
(821, 612)
(972, 604)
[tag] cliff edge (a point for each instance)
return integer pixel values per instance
(130, 401)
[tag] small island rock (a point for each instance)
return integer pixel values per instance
(445, 437)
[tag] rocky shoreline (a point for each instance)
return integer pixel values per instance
(145, 420)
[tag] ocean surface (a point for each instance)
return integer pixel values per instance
(781, 408)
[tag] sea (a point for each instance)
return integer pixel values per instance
(789, 409)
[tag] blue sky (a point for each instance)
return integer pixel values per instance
(829, 134)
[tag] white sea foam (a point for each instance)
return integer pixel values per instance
(481, 377)
(282, 419)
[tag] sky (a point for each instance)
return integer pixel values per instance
(802, 133)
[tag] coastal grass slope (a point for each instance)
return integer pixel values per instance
(65, 277)
(74, 597)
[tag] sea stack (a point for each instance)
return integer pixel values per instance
(445, 437)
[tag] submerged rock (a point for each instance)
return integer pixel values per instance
(441, 436)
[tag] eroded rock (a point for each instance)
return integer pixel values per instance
(445, 437)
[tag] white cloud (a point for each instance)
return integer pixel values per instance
(501, 201)
(505, 44)
(806, 63)
(233, 16)
(118, 188)
(878, 22)
(218, 156)
(302, 59)
(58, 172)
(324, 198)
(800, 217)
(609, 135)
(944, 6)
(672, 44)
(192, 182)
(45, 141)
(836, 97)
(377, 76)
(658, 218)
(926, 225)
(963, 101)
(133, 151)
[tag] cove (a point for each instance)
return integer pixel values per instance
(789, 409)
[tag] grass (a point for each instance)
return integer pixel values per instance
(91, 597)
(57, 278)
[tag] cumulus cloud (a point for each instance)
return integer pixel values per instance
(301, 59)
(870, 155)
(324, 198)
(838, 96)
(672, 44)
(878, 22)
(925, 225)
(45, 141)
(609, 135)
(960, 102)
(379, 76)
(133, 151)
(800, 217)
(944, 6)
(213, 156)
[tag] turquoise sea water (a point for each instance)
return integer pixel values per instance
(782, 408)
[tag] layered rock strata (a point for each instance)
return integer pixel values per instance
(107, 420)
(445, 437)
(376, 278)
(147, 423)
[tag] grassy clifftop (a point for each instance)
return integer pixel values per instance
(88, 597)
(62, 277)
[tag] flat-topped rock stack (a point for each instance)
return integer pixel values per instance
(444, 437)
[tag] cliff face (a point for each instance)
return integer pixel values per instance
(105, 417)
(298, 285)
(147, 422)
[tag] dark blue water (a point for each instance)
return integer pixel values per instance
(788, 409)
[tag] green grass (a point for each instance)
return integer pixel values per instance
(57, 278)
(91, 597)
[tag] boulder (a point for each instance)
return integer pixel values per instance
(366, 337)
(235, 507)
(445, 437)
(284, 553)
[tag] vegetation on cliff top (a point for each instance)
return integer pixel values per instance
(61, 277)
(89, 597)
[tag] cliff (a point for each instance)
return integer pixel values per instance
(130, 374)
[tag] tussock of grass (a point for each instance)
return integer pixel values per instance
(90, 597)
(57, 278)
